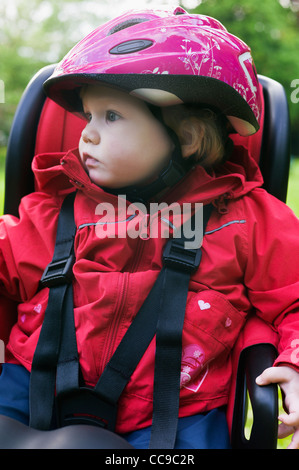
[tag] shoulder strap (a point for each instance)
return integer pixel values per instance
(58, 276)
(179, 263)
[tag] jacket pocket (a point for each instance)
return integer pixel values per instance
(212, 325)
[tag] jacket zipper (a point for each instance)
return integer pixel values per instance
(122, 296)
(114, 327)
(138, 254)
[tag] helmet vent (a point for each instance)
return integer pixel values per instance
(179, 11)
(126, 24)
(129, 47)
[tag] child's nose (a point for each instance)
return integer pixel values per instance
(90, 135)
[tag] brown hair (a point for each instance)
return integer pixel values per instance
(205, 128)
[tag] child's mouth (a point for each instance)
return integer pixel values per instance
(89, 161)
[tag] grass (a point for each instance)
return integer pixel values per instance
(293, 194)
(292, 202)
(281, 443)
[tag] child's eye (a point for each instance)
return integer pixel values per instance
(87, 116)
(112, 116)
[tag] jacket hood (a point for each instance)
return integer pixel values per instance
(58, 173)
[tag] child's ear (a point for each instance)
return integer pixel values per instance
(190, 139)
(188, 150)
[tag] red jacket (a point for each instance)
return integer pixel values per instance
(249, 264)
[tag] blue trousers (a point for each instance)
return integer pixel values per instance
(203, 431)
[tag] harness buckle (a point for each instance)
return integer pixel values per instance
(85, 406)
(58, 272)
(178, 257)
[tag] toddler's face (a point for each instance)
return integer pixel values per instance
(122, 143)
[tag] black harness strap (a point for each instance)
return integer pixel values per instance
(180, 263)
(99, 405)
(58, 276)
(162, 312)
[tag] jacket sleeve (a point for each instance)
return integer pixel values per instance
(26, 245)
(272, 272)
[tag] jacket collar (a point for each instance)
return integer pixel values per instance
(59, 172)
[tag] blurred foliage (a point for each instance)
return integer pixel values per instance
(38, 32)
(271, 29)
(35, 33)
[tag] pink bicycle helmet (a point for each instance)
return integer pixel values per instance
(164, 58)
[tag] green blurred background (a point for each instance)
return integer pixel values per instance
(34, 33)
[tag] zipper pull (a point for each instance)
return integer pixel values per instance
(145, 229)
(221, 204)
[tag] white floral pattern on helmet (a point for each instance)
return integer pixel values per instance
(165, 58)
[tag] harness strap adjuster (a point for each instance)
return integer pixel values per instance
(58, 272)
(85, 406)
(176, 256)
